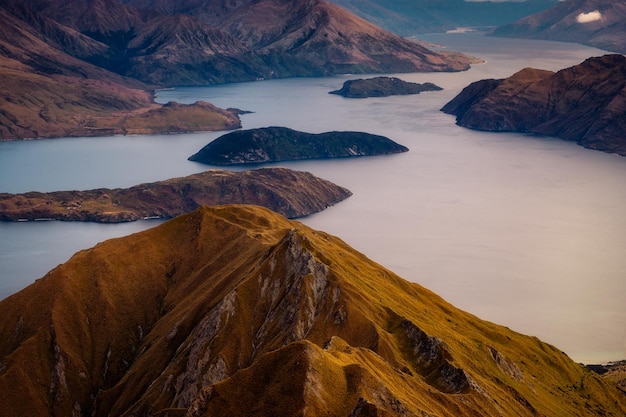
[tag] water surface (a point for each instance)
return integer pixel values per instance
(521, 230)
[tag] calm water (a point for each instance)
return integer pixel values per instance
(523, 231)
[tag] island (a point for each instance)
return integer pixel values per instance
(585, 104)
(273, 144)
(382, 87)
(291, 193)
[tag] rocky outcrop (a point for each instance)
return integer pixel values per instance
(382, 87)
(291, 193)
(237, 311)
(585, 104)
(598, 23)
(272, 144)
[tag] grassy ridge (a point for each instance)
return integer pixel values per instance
(235, 310)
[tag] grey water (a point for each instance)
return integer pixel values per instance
(524, 231)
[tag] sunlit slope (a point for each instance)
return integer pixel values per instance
(236, 311)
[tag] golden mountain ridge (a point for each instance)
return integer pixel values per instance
(237, 311)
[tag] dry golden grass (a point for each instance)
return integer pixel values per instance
(234, 310)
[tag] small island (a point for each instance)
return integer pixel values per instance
(273, 144)
(291, 193)
(382, 87)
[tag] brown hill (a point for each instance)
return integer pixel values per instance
(291, 193)
(599, 23)
(584, 103)
(77, 68)
(310, 37)
(45, 91)
(236, 311)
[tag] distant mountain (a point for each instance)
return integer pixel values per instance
(276, 143)
(307, 37)
(71, 68)
(291, 193)
(236, 311)
(598, 23)
(585, 103)
(49, 89)
(410, 17)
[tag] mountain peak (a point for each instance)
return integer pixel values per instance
(235, 310)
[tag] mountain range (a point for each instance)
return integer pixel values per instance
(585, 103)
(598, 23)
(78, 67)
(237, 311)
(410, 17)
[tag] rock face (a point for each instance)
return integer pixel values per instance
(585, 104)
(599, 23)
(382, 87)
(236, 311)
(291, 193)
(272, 144)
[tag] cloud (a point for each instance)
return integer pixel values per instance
(589, 17)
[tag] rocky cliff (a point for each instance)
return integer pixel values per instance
(273, 144)
(291, 193)
(585, 103)
(599, 23)
(236, 311)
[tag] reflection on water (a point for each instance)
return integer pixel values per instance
(519, 230)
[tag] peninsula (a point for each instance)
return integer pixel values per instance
(585, 104)
(291, 193)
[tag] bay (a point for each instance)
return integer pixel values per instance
(521, 230)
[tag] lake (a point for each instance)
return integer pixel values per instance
(521, 230)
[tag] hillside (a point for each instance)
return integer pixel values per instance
(309, 37)
(598, 23)
(45, 91)
(585, 104)
(236, 311)
(275, 143)
(88, 67)
(291, 193)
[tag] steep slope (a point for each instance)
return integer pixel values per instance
(410, 17)
(599, 23)
(311, 37)
(291, 193)
(585, 103)
(46, 90)
(237, 311)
